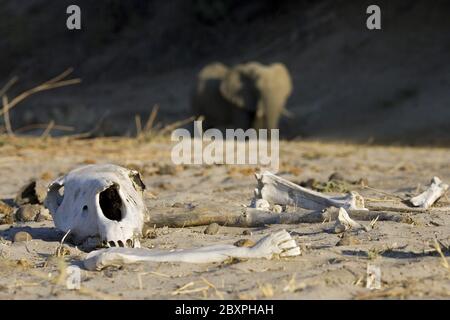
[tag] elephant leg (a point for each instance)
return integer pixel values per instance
(272, 118)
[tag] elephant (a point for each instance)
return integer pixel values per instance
(249, 95)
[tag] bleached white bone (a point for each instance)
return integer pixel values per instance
(426, 199)
(344, 222)
(279, 242)
(277, 190)
(262, 204)
(99, 201)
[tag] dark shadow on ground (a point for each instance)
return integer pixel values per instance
(41, 233)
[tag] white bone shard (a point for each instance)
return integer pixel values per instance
(99, 201)
(262, 204)
(344, 222)
(277, 190)
(279, 242)
(426, 199)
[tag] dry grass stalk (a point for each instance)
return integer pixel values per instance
(60, 250)
(137, 120)
(184, 289)
(47, 130)
(8, 85)
(53, 83)
(151, 119)
(174, 125)
(439, 250)
(218, 293)
(5, 110)
(44, 126)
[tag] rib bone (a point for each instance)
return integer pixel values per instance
(279, 242)
(426, 199)
(280, 191)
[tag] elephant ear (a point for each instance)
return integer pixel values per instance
(239, 88)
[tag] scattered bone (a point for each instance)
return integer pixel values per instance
(345, 223)
(262, 204)
(99, 201)
(426, 199)
(277, 190)
(22, 236)
(212, 229)
(251, 217)
(34, 192)
(277, 208)
(278, 243)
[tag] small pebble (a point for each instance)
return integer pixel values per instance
(22, 236)
(336, 176)
(247, 233)
(29, 212)
(348, 240)
(212, 229)
(244, 243)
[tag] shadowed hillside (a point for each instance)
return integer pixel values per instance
(349, 83)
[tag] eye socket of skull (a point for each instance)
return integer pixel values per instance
(111, 203)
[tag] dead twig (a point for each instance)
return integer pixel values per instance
(48, 129)
(174, 125)
(439, 250)
(5, 110)
(151, 119)
(53, 83)
(138, 122)
(43, 126)
(8, 85)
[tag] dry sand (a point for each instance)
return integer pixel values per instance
(410, 268)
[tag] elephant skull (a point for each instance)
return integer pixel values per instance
(104, 202)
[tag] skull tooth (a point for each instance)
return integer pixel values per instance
(129, 243)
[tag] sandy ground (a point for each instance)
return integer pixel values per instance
(410, 268)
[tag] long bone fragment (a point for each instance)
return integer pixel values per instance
(279, 242)
(426, 199)
(345, 223)
(277, 190)
(252, 217)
